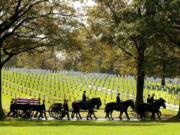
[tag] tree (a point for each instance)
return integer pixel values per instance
(162, 61)
(178, 114)
(170, 20)
(26, 25)
(132, 26)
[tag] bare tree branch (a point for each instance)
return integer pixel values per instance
(116, 17)
(127, 52)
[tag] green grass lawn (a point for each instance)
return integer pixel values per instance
(88, 128)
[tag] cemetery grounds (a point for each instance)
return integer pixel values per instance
(54, 86)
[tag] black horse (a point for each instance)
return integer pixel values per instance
(19, 110)
(122, 107)
(89, 106)
(26, 110)
(154, 108)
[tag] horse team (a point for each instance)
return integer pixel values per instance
(29, 108)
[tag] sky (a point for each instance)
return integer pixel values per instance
(81, 8)
(78, 5)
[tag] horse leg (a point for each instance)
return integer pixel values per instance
(94, 115)
(111, 115)
(88, 115)
(62, 115)
(108, 115)
(35, 115)
(105, 115)
(14, 113)
(68, 116)
(120, 115)
(141, 116)
(127, 115)
(8, 114)
(138, 116)
(144, 116)
(40, 114)
(72, 115)
(31, 114)
(154, 116)
(79, 115)
(159, 115)
(91, 116)
(25, 114)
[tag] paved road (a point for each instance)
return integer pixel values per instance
(99, 119)
(103, 119)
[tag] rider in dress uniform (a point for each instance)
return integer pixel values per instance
(84, 98)
(149, 99)
(118, 98)
(152, 100)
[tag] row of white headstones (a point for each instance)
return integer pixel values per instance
(55, 82)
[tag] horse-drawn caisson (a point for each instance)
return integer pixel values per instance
(32, 108)
(27, 108)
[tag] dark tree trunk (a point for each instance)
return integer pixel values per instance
(100, 60)
(178, 114)
(111, 69)
(43, 64)
(2, 115)
(163, 82)
(140, 75)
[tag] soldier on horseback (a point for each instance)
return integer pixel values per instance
(118, 98)
(149, 99)
(152, 99)
(84, 98)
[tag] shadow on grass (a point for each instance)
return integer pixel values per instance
(26, 123)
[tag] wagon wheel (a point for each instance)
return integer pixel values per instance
(55, 111)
